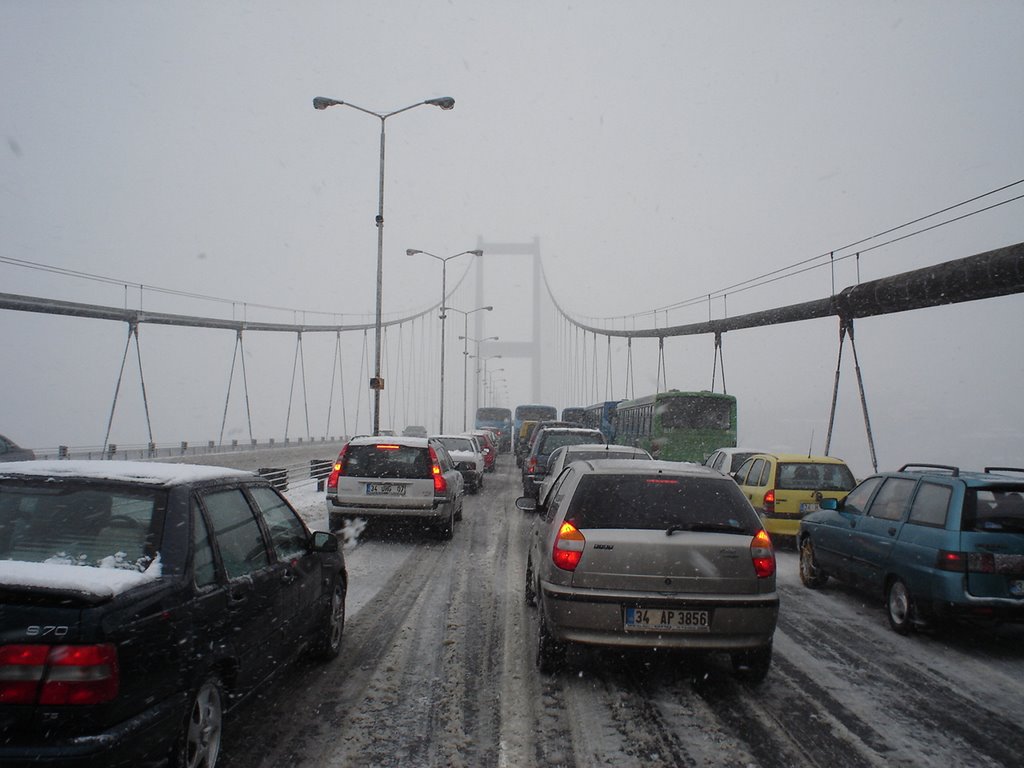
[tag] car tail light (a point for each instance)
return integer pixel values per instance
(531, 465)
(769, 501)
(58, 674)
(440, 484)
(332, 479)
(762, 554)
(569, 546)
(966, 562)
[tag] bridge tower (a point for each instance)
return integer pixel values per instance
(530, 349)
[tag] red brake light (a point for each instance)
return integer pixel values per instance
(762, 554)
(386, 447)
(59, 674)
(966, 562)
(568, 550)
(332, 479)
(531, 465)
(769, 501)
(440, 484)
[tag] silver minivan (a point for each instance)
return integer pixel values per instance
(651, 554)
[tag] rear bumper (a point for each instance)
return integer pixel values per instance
(597, 618)
(145, 739)
(337, 512)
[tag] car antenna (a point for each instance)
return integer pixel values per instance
(810, 445)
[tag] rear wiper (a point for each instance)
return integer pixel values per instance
(704, 528)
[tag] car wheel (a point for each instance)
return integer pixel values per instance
(900, 607)
(550, 652)
(458, 512)
(328, 640)
(752, 666)
(447, 527)
(530, 592)
(810, 574)
(199, 743)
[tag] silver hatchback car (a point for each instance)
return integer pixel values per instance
(651, 554)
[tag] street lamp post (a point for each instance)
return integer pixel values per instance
(320, 102)
(444, 291)
(465, 359)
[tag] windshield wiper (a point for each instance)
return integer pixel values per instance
(704, 528)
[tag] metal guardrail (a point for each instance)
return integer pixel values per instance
(174, 450)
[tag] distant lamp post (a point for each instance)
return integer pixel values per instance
(444, 295)
(482, 365)
(476, 386)
(465, 358)
(489, 386)
(320, 102)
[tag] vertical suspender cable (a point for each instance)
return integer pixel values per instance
(117, 387)
(245, 386)
(863, 400)
(142, 381)
(305, 398)
(231, 376)
(335, 372)
(291, 387)
(835, 387)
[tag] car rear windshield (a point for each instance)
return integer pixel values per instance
(555, 440)
(994, 509)
(79, 525)
(387, 460)
(457, 443)
(657, 502)
(807, 476)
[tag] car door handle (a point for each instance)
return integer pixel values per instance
(238, 597)
(288, 576)
(892, 531)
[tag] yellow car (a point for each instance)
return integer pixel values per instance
(784, 487)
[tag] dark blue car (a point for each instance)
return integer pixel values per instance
(933, 541)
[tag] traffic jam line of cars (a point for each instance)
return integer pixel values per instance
(650, 554)
(141, 602)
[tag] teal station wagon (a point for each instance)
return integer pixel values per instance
(935, 542)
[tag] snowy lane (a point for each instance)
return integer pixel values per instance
(437, 670)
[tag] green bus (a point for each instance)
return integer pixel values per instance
(677, 426)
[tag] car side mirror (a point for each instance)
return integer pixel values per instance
(324, 542)
(526, 504)
(830, 504)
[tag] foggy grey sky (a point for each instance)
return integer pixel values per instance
(658, 150)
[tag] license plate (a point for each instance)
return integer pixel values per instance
(665, 620)
(807, 508)
(385, 489)
(1017, 587)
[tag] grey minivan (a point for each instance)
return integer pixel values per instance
(651, 554)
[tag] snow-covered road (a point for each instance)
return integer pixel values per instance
(437, 670)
